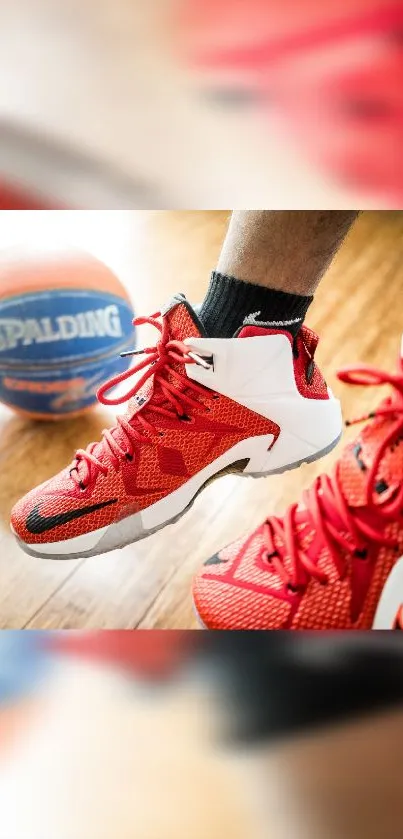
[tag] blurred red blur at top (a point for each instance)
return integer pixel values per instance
(143, 653)
(332, 72)
(15, 197)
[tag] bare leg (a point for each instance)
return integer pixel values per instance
(289, 250)
(271, 263)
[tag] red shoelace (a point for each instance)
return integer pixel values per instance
(360, 535)
(159, 362)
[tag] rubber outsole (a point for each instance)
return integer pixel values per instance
(137, 537)
(200, 621)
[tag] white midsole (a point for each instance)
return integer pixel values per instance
(169, 506)
(391, 598)
(287, 450)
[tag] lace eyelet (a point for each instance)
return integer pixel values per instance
(215, 396)
(268, 558)
(129, 457)
(161, 433)
(185, 418)
(293, 589)
(361, 554)
(82, 486)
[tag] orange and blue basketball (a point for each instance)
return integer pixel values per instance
(64, 320)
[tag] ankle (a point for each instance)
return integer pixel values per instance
(230, 303)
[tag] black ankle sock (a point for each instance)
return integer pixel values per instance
(229, 303)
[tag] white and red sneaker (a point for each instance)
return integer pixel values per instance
(335, 559)
(254, 404)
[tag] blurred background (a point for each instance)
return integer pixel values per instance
(152, 735)
(152, 256)
(195, 103)
(96, 749)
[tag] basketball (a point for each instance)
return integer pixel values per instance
(64, 320)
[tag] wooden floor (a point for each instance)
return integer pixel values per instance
(358, 313)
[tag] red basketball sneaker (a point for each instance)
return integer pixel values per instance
(333, 561)
(254, 404)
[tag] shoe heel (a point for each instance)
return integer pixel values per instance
(252, 472)
(306, 435)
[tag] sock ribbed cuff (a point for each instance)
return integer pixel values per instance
(229, 303)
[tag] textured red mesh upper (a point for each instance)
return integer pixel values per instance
(160, 465)
(238, 589)
(312, 386)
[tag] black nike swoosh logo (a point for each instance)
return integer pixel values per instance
(37, 524)
(215, 560)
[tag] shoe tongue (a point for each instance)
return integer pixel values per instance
(182, 319)
(183, 323)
